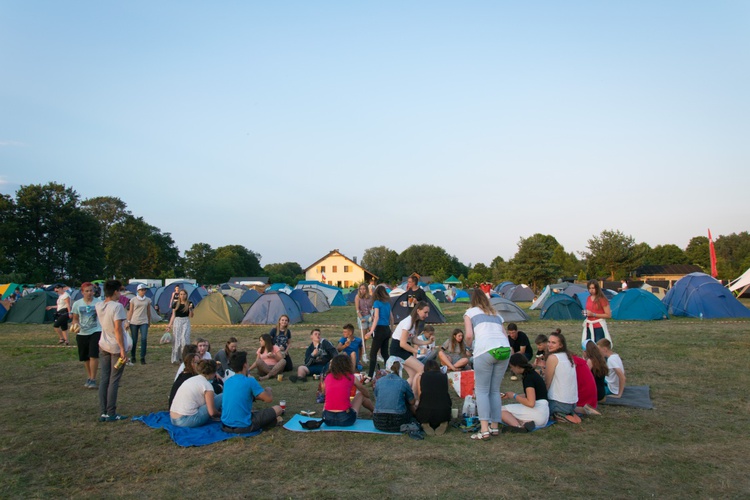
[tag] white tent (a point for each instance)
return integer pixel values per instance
(742, 283)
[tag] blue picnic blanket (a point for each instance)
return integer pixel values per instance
(195, 436)
(360, 425)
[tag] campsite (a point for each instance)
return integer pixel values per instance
(693, 443)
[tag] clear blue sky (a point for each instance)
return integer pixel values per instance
(293, 128)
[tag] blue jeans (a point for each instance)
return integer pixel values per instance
(340, 418)
(488, 373)
(558, 407)
(200, 418)
(144, 339)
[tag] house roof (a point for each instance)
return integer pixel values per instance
(335, 252)
(670, 269)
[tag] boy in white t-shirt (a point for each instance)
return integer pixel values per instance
(615, 379)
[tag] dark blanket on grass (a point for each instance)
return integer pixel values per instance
(183, 436)
(635, 396)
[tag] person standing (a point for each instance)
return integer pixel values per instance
(88, 331)
(484, 330)
(62, 314)
(139, 317)
(597, 310)
(182, 311)
(382, 319)
(114, 345)
(363, 306)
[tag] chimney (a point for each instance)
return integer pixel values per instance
(354, 259)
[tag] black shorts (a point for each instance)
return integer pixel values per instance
(260, 419)
(61, 320)
(88, 346)
(397, 351)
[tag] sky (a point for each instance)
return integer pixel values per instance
(298, 127)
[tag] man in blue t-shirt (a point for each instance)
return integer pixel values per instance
(240, 391)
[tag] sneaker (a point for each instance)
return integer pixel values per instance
(116, 418)
(530, 426)
(129, 363)
(103, 417)
(293, 378)
(380, 359)
(88, 383)
(143, 361)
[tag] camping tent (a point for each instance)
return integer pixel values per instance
(400, 309)
(519, 293)
(133, 288)
(508, 310)
(300, 297)
(452, 281)
(742, 283)
(317, 298)
(242, 295)
(9, 288)
(561, 307)
(658, 291)
(396, 292)
(164, 293)
(279, 287)
(439, 295)
(333, 293)
(33, 308)
(639, 305)
(461, 296)
(573, 290)
(502, 285)
(218, 309)
(547, 292)
(698, 295)
(4, 306)
(269, 307)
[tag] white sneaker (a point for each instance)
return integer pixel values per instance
(380, 359)
(129, 363)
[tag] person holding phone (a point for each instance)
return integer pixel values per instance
(179, 324)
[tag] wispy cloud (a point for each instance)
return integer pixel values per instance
(7, 144)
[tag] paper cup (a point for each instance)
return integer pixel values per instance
(279, 377)
(454, 412)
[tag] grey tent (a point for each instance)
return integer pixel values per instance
(318, 299)
(508, 310)
(269, 307)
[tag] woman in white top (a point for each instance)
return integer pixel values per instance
(195, 402)
(401, 346)
(139, 317)
(484, 326)
(561, 380)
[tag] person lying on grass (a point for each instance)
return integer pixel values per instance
(615, 378)
(240, 391)
(195, 404)
(530, 408)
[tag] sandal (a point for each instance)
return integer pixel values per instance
(494, 431)
(481, 436)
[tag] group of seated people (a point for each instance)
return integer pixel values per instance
(555, 382)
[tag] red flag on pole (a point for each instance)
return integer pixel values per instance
(712, 252)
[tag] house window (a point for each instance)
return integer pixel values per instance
(330, 282)
(322, 269)
(346, 270)
(334, 269)
(346, 284)
(338, 284)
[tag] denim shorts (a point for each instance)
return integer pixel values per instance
(340, 418)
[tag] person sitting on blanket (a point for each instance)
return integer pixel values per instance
(190, 369)
(240, 391)
(586, 388)
(317, 356)
(453, 353)
(222, 358)
(530, 408)
(270, 360)
(342, 402)
(194, 404)
(560, 377)
(615, 378)
(351, 346)
(434, 411)
(540, 360)
(394, 401)
(598, 366)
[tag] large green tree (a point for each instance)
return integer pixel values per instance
(697, 253)
(383, 263)
(533, 263)
(429, 259)
(732, 254)
(288, 272)
(233, 260)
(108, 211)
(55, 239)
(664, 255)
(198, 261)
(136, 249)
(7, 234)
(613, 253)
(500, 270)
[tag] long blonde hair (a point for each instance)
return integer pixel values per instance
(480, 300)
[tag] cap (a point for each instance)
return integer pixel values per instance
(141, 287)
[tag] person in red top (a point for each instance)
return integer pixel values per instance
(486, 288)
(587, 396)
(341, 407)
(597, 307)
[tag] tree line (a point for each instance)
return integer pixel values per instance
(48, 234)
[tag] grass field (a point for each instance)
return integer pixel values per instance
(694, 444)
